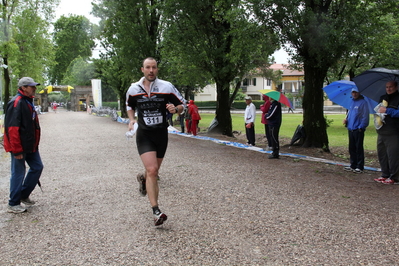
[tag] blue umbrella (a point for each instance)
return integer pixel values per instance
(340, 92)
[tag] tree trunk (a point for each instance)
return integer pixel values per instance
(314, 121)
(236, 89)
(122, 97)
(223, 115)
(6, 77)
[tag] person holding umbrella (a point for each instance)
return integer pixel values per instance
(265, 109)
(21, 139)
(274, 118)
(356, 121)
(388, 136)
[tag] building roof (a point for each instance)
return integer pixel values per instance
(286, 70)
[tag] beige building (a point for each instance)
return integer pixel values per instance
(208, 93)
(291, 83)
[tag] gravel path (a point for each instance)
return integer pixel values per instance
(226, 206)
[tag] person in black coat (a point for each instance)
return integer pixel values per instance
(274, 122)
(387, 139)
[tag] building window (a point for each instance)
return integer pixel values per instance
(254, 81)
(245, 82)
(291, 86)
(269, 82)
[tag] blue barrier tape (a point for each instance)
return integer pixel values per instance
(172, 130)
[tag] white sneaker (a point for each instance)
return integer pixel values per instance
(15, 209)
(357, 171)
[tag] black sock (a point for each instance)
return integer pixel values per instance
(156, 210)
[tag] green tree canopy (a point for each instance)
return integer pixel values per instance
(378, 49)
(219, 38)
(73, 37)
(129, 32)
(79, 72)
(35, 52)
(25, 49)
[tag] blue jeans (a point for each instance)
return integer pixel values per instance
(21, 186)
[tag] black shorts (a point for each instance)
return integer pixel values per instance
(152, 140)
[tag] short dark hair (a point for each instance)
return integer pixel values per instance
(150, 58)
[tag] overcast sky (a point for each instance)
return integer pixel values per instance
(281, 57)
(76, 7)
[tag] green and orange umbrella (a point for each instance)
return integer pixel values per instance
(278, 96)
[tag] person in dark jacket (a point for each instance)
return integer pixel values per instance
(274, 122)
(21, 139)
(388, 136)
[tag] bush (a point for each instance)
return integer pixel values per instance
(206, 104)
(235, 105)
(243, 104)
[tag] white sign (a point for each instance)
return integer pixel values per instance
(96, 90)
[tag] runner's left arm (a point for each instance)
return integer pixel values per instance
(177, 99)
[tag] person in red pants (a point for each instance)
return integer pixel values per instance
(195, 117)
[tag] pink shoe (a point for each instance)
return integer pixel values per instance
(389, 181)
(380, 179)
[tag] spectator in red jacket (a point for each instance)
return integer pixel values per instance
(265, 109)
(195, 117)
(21, 139)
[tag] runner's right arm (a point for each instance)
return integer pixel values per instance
(130, 113)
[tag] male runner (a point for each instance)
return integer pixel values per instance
(150, 97)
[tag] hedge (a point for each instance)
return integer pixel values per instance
(235, 105)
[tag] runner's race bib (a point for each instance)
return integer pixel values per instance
(153, 119)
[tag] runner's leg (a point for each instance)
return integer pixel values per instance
(152, 165)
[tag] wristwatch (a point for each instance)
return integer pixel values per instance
(177, 109)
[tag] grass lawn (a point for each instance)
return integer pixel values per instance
(337, 133)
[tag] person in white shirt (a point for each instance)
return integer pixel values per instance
(249, 117)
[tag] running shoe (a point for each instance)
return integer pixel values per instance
(380, 179)
(28, 202)
(159, 218)
(349, 169)
(142, 188)
(15, 209)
